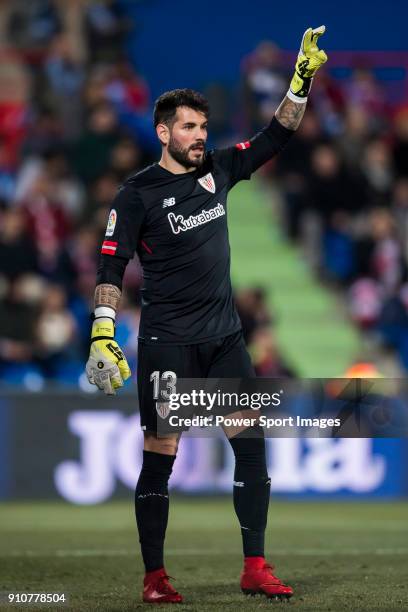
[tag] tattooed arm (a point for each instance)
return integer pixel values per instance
(111, 271)
(107, 295)
(289, 114)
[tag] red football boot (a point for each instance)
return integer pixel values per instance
(157, 588)
(257, 577)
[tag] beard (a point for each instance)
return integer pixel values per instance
(181, 155)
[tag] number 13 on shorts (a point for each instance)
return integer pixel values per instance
(169, 377)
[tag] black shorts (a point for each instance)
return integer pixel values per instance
(225, 357)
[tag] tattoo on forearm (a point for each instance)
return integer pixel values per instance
(107, 295)
(290, 114)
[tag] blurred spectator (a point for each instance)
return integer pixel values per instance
(364, 92)
(92, 152)
(294, 169)
(126, 88)
(47, 221)
(65, 76)
(331, 187)
(101, 194)
(94, 91)
(400, 148)
(125, 159)
(377, 168)
(338, 249)
(365, 300)
(252, 309)
(7, 175)
(258, 333)
(18, 255)
(266, 359)
(18, 316)
(44, 133)
(105, 28)
(264, 84)
(329, 103)
(32, 24)
(393, 325)
(83, 253)
(129, 95)
(55, 332)
(352, 140)
(67, 189)
(387, 261)
(400, 211)
(14, 94)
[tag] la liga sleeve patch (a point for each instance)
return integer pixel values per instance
(111, 222)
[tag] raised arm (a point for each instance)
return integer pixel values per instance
(310, 58)
(246, 157)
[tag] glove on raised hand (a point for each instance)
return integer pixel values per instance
(310, 59)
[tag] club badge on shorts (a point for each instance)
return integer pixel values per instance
(207, 182)
(163, 409)
(111, 222)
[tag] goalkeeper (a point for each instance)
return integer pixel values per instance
(173, 214)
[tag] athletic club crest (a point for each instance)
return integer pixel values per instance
(163, 409)
(207, 182)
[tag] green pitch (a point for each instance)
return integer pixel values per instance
(337, 557)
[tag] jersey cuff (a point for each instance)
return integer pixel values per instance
(111, 270)
(278, 133)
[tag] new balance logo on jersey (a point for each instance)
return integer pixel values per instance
(169, 202)
(179, 224)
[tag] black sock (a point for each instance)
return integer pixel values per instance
(152, 507)
(251, 490)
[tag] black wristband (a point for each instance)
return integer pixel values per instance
(307, 83)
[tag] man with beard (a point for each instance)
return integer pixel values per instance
(173, 214)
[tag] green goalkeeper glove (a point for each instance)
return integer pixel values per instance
(107, 367)
(309, 60)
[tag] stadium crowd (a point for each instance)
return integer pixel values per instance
(75, 121)
(344, 184)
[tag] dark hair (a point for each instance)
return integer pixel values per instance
(166, 105)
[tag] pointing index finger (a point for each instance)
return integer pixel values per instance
(316, 32)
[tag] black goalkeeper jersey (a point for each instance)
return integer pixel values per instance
(177, 224)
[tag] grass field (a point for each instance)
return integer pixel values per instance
(337, 556)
